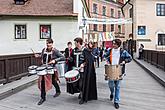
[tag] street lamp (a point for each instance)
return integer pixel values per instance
(84, 21)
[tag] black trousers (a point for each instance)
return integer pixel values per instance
(55, 84)
(98, 62)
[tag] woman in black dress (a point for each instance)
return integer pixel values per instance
(89, 89)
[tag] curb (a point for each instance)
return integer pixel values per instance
(12, 89)
(155, 76)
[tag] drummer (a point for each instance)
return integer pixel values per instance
(116, 56)
(76, 86)
(50, 56)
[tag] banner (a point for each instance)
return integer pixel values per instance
(95, 37)
(101, 36)
(108, 21)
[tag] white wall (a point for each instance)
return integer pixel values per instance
(146, 15)
(62, 31)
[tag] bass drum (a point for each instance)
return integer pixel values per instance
(112, 72)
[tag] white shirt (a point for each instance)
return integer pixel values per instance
(115, 56)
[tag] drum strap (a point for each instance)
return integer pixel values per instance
(110, 56)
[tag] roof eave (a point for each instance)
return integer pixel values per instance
(124, 6)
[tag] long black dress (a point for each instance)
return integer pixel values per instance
(89, 91)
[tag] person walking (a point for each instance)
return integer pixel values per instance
(89, 88)
(116, 56)
(141, 51)
(50, 56)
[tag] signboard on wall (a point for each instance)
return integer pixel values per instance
(141, 30)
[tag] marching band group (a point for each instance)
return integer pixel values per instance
(80, 61)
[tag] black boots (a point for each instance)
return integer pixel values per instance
(111, 97)
(41, 101)
(57, 94)
(81, 101)
(116, 105)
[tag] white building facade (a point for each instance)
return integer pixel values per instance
(20, 33)
(61, 32)
(148, 23)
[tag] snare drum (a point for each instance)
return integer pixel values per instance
(50, 70)
(72, 76)
(41, 70)
(32, 69)
(112, 72)
(61, 68)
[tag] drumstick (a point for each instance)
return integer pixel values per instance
(32, 50)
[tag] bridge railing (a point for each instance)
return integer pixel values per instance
(13, 67)
(154, 57)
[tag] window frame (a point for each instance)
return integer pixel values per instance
(119, 28)
(95, 27)
(95, 8)
(131, 13)
(49, 26)
(112, 29)
(104, 10)
(104, 28)
(119, 14)
(112, 14)
(160, 39)
(15, 31)
(160, 10)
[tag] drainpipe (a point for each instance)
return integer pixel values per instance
(132, 19)
(133, 39)
(132, 42)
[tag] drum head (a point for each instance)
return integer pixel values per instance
(49, 67)
(71, 74)
(32, 67)
(41, 68)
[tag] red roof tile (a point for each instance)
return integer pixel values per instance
(38, 8)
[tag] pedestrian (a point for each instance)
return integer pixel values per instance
(101, 49)
(116, 56)
(96, 53)
(141, 51)
(49, 56)
(89, 89)
(69, 57)
(130, 43)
